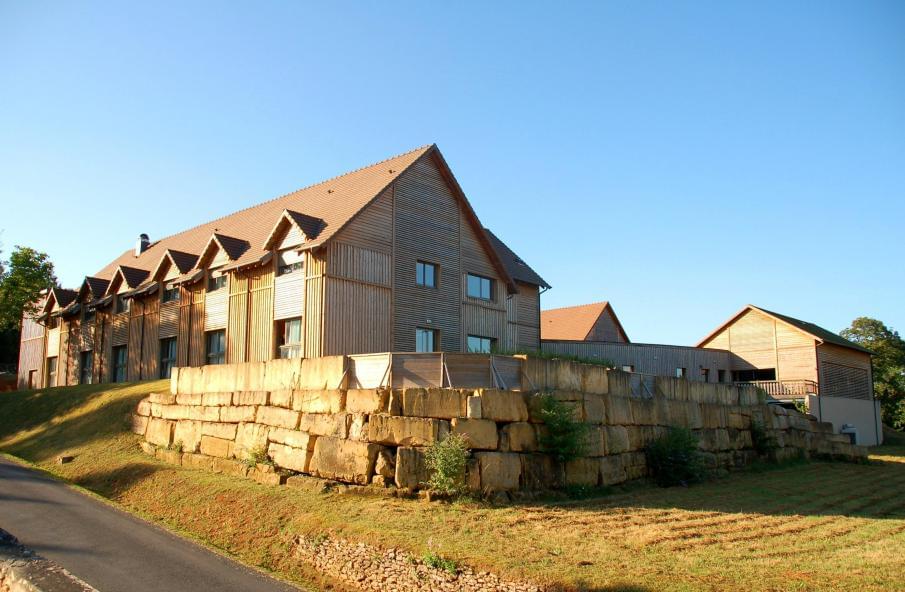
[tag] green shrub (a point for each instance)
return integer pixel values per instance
(177, 446)
(433, 559)
(763, 441)
(447, 460)
(257, 456)
(801, 407)
(674, 459)
(565, 437)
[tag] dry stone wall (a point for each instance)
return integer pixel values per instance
(274, 419)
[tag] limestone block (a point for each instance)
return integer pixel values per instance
(265, 477)
(174, 381)
(325, 424)
(203, 413)
(227, 431)
(480, 434)
(160, 432)
(645, 412)
(612, 470)
(500, 471)
(573, 400)
(249, 376)
(583, 471)
(566, 374)
(139, 424)
(242, 413)
(219, 378)
(678, 413)
(594, 379)
(411, 468)
(619, 383)
(520, 436)
(714, 416)
(473, 407)
(293, 438)
(277, 417)
(175, 411)
(595, 441)
(288, 457)
(635, 437)
(251, 398)
(595, 409)
(189, 398)
(183, 380)
(318, 401)
(172, 457)
(250, 437)
(503, 405)
(737, 420)
(188, 433)
(344, 460)
(385, 466)
(217, 447)
(620, 410)
(405, 431)
(147, 448)
(229, 467)
(322, 373)
(616, 439)
(367, 400)
(357, 427)
(217, 399)
(281, 398)
(196, 461)
(162, 398)
(534, 374)
(538, 471)
(722, 441)
(144, 407)
(433, 402)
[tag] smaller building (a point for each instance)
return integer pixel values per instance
(586, 322)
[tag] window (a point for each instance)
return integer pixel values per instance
(480, 287)
(53, 322)
(86, 365)
(120, 360)
(426, 274)
(705, 374)
(754, 375)
(122, 303)
(167, 356)
(721, 376)
(479, 345)
(425, 340)
(628, 368)
(88, 314)
(214, 283)
(289, 262)
(681, 372)
(170, 294)
(290, 335)
(51, 371)
(216, 347)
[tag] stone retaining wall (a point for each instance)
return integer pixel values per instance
(212, 418)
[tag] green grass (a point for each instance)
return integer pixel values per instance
(805, 526)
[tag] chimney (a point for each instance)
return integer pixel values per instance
(142, 244)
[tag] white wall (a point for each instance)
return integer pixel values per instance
(864, 415)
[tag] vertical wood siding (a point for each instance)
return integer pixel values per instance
(150, 349)
(31, 354)
(196, 329)
(844, 372)
(260, 314)
(292, 238)
(313, 319)
(237, 331)
(183, 343)
(169, 319)
(136, 319)
(606, 329)
(216, 306)
(289, 295)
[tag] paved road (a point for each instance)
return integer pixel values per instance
(110, 549)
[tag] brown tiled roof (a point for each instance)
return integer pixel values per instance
(333, 202)
(517, 268)
(97, 286)
(133, 276)
(63, 296)
(183, 261)
(310, 225)
(573, 322)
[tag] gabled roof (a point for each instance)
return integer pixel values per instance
(575, 323)
(132, 276)
(96, 286)
(309, 226)
(61, 296)
(232, 246)
(184, 262)
(819, 333)
(517, 268)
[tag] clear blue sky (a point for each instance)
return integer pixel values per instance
(679, 160)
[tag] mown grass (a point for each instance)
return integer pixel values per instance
(807, 526)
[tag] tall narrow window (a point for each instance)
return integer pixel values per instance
(120, 363)
(681, 372)
(122, 303)
(290, 336)
(216, 347)
(86, 367)
(167, 356)
(170, 294)
(88, 314)
(425, 340)
(721, 376)
(426, 274)
(479, 287)
(214, 283)
(705, 374)
(51, 371)
(479, 345)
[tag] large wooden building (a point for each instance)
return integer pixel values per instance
(390, 257)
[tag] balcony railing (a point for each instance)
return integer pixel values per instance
(785, 389)
(293, 350)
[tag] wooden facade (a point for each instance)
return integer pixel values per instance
(271, 285)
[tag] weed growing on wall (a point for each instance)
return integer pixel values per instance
(257, 456)
(565, 437)
(764, 442)
(674, 459)
(447, 460)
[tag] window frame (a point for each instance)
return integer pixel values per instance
(174, 290)
(481, 279)
(52, 374)
(219, 357)
(285, 348)
(434, 338)
(121, 304)
(166, 365)
(218, 280)
(435, 271)
(89, 314)
(89, 356)
(681, 372)
(288, 268)
(116, 367)
(490, 343)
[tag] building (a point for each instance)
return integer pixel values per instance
(390, 257)
(585, 322)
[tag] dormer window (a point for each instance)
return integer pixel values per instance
(170, 294)
(289, 261)
(215, 282)
(122, 304)
(88, 314)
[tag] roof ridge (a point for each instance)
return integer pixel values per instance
(312, 185)
(585, 305)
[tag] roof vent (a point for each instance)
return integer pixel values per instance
(142, 244)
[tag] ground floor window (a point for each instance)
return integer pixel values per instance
(86, 367)
(681, 372)
(628, 368)
(51, 371)
(167, 356)
(754, 375)
(479, 345)
(425, 340)
(120, 363)
(705, 374)
(721, 376)
(216, 346)
(289, 338)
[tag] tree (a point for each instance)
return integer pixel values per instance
(888, 363)
(27, 273)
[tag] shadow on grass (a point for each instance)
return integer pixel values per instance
(113, 482)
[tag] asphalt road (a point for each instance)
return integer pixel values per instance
(108, 548)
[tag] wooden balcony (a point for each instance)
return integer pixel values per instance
(785, 389)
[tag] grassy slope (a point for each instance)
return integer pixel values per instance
(812, 526)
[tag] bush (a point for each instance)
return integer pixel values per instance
(565, 438)
(674, 459)
(764, 443)
(257, 456)
(447, 460)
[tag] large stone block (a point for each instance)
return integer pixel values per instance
(694, 415)
(174, 381)
(616, 439)
(571, 399)
(645, 412)
(219, 378)
(227, 431)
(251, 398)
(583, 471)
(175, 412)
(500, 471)
(289, 457)
(188, 433)
(620, 383)
(281, 398)
(238, 414)
(636, 437)
(344, 460)
(144, 408)
(325, 424)
(433, 402)
(519, 436)
(405, 431)
(385, 466)
(367, 400)
(539, 472)
(357, 427)
(503, 405)
(318, 401)
(162, 398)
(594, 379)
(595, 441)
(678, 413)
(293, 438)
(595, 409)
(249, 376)
(139, 424)
(612, 470)
(229, 467)
(200, 413)
(160, 432)
(473, 407)
(217, 399)
(250, 437)
(411, 468)
(217, 447)
(277, 417)
(197, 461)
(566, 375)
(619, 410)
(480, 434)
(189, 398)
(714, 416)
